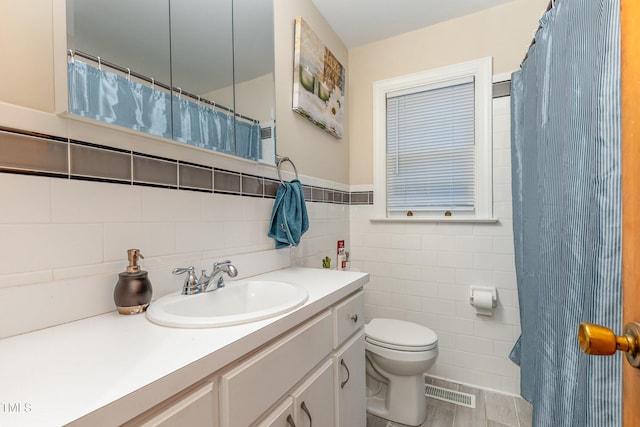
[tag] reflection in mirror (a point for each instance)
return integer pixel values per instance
(253, 47)
(126, 69)
(202, 66)
(108, 76)
(116, 31)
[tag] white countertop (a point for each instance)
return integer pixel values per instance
(60, 374)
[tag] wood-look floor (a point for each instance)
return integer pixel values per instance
(492, 410)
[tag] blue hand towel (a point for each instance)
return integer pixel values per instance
(289, 220)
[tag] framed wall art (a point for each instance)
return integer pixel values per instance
(318, 81)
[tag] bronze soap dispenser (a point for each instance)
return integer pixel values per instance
(132, 293)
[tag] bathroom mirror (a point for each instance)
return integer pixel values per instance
(218, 57)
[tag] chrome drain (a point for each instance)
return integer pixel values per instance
(451, 396)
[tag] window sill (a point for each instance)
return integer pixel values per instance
(435, 220)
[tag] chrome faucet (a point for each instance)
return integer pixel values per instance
(193, 285)
(216, 278)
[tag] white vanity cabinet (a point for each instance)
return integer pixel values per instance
(254, 374)
(253, 386)
(312, 376)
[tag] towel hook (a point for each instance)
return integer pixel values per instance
(280, 161)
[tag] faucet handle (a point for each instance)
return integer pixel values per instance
(183, 270)
(191, 284)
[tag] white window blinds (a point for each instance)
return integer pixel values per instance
(430, 148)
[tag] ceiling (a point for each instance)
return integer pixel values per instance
(359, 22)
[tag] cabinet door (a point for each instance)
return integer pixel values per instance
(282, 416)
(314, 401)
(350, 392)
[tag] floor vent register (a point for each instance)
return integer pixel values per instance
(451, 396)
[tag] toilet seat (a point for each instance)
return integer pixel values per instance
(400, 335)
(400, 347)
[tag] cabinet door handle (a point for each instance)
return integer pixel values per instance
(354, 317)
(303, 406)
(290, 421)
(342, 384)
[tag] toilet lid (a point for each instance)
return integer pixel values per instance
(400, 335)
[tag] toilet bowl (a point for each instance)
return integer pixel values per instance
(397, 355)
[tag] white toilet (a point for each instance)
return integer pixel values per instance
(397, 355)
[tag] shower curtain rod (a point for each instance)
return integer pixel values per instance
(533, 41)
(151, 80)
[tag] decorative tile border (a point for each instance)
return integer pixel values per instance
(195, 177)
(154, 171)
(34, 154)
(94, 162)
(501, 89)
(31, 153)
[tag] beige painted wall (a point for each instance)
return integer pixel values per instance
(26, 48)
(503, 32)
(314, 151)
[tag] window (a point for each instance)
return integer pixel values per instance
(432, 142)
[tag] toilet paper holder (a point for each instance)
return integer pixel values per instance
(483, 289)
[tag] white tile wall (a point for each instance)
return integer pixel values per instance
(64, 241)
(423, 272)
(328, 224)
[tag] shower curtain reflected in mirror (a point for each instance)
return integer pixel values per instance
(98, 94)
(102, 95)
(567, 211)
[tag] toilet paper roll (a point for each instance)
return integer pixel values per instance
(483, 302)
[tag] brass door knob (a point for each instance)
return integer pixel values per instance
(601, 341)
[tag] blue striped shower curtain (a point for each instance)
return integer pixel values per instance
(567, 212)
(102, 95)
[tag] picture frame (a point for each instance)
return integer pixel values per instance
(318, 81)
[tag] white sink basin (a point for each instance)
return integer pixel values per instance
(236, 303)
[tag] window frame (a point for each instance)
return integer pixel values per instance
(481, 70)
